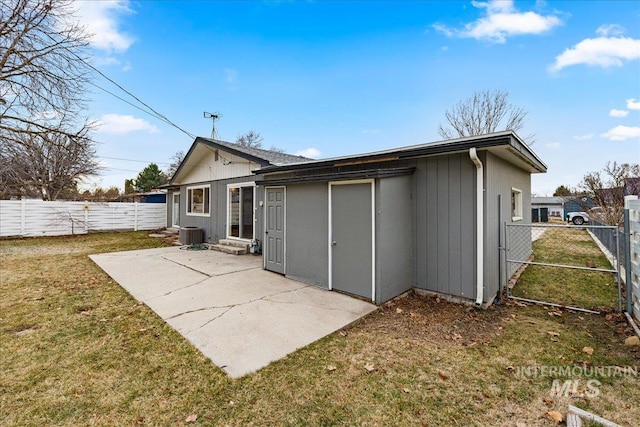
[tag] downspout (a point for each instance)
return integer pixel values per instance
(479, 227)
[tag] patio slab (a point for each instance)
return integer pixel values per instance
(240, 316)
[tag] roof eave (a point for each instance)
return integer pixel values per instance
(445, 147)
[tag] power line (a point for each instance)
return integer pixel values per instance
(125, 101)
(157, 114)
(133, 160)
(123, 170)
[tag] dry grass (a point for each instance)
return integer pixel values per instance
(578, 288)
(78, 350)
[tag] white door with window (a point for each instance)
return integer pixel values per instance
(240, 211)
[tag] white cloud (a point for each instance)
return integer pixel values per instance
(608, 50)
(583, 137)
(632, 104)
(123, 124)
(100, 18)
(618, 113)
(502, 20)
(553, 145)
(621, 133)
(312, 153)
(610, 30)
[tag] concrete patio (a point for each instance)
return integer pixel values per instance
(237, 314)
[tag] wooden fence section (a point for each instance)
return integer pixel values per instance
(31, 218)
(633, 263)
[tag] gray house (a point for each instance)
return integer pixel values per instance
(427, 217)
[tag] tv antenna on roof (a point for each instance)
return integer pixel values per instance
(213, 116)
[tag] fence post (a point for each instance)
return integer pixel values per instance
(86, 216)
(23, 216)
(135, 216)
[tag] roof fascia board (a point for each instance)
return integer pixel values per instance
(506, 138)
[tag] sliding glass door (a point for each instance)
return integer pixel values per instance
(240, 202)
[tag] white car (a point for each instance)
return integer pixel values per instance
(577, 218)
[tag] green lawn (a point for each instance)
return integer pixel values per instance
(76, 349)
(565, 286)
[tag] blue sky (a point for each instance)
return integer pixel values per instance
(332, 78)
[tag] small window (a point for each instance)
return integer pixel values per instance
(516, 204)
(198, 201)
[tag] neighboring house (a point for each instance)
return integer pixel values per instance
(632, 186)
(155, 196)
(578, 204)
(554, 205)
(428, 217)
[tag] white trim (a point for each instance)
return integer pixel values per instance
(284, 233)
(173, 206)
(253, 220)
(373, 231)
(473, 155)
(519, 206)
(195, 187)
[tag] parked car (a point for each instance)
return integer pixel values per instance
(577, 218)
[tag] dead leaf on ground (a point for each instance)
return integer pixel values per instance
(406, 390)
(398, 310)
(553, 334)
(632, 341)
(191, 418)
(556, 416)
(331, 368)
(588, 350)
(343, 333)
(443, 375)
(369, 367)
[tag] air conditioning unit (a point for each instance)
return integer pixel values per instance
(191, 235)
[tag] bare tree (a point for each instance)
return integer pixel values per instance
(484, 112)
(43, 70)
(608, 188)
(46, 166)
(251, 139)
(176, 160)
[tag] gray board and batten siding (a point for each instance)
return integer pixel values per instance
(445, 225)
(425, 214)
(500, 178)
(214, 225)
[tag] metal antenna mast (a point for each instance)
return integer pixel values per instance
(213, 116)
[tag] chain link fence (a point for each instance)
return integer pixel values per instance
(564, 266)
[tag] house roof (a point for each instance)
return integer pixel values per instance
(547, 200)
(256, 155)
(504, 144)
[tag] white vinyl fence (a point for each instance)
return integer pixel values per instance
(633, 258)
(31, 218)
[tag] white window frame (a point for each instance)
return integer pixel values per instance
(241, 185)
(189, 198)
(516, 211)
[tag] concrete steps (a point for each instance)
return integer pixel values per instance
(229, 246)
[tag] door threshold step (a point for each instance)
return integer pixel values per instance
(234, 243)
(228, 249)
